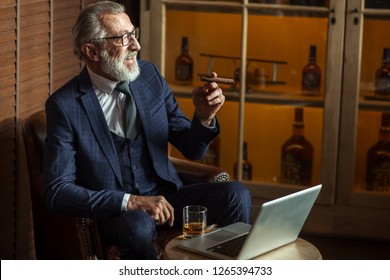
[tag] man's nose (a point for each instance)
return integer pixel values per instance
(134, 44)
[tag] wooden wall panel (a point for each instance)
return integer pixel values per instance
(8, 57)
(33, 72)
(65, 64)
(36, 58)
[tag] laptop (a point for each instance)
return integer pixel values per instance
(278, 223)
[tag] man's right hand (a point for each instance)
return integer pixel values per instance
(156, 206)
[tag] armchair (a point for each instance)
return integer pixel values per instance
(58, 236)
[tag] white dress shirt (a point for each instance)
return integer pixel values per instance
(112, 102)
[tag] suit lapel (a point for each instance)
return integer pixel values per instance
(99, 123)
(145, 99)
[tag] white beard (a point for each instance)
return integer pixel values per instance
(115, 67)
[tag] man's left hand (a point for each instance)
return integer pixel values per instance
(207, 101)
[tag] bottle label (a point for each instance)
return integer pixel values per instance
(184, 73)
(382, 86)
(295, 171)
(311, 83)
(247, 173)
(379, 177)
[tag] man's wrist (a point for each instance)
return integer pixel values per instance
(205, 121)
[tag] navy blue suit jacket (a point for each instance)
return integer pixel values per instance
(81, 169)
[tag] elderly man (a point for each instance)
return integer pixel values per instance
(107, 133)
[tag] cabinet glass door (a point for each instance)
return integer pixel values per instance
(281, 43)
(214, 35)
(283, 38)
(365, 106)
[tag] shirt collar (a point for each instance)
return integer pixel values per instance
(101, 83)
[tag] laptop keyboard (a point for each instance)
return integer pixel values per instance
(231, 247)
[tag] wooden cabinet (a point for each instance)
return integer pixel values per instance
(273, 38)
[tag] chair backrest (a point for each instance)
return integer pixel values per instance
(34, 134)
(56, 236)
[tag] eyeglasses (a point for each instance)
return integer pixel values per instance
(125, 38)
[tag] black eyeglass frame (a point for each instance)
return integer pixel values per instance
(134, 33)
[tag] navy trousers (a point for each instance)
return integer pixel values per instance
(135, 231)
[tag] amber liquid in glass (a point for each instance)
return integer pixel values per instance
(184, 65)
(311, 75)
(194, 229)
(297, 155)
(246, 165)
(382, 77)
(378, 159)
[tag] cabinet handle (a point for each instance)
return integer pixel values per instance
(332, 18)
(356, 18)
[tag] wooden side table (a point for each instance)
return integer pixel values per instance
(297, 250)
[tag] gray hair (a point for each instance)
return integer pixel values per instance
(89, 26)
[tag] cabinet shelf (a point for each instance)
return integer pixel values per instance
(236, 7)
(376, 12)
(284, 99)
(264, 97)
(371, 199)
(273, 9)
(204, 6)
(374, 105)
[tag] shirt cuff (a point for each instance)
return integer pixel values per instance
(125, 200)
(212, 124)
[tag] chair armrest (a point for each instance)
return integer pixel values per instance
(193, 172)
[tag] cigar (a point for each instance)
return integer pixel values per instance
(219, 80)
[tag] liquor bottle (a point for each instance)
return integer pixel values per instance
(246, 165)
(297, 155)
(184, 65)
(378, 159)
(311, 75)
(212, 155)
(382, 77)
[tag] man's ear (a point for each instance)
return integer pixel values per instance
(90, 51)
